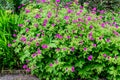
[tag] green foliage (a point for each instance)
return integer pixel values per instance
(8, 23)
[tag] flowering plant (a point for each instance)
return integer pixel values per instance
(67, 43)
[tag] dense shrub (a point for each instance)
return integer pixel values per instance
(67, 43)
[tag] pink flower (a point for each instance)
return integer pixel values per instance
(90, 57)
(24, 66)
(14, 40)
(9, 45)
(94, 45)
(66, 17)
(57, 49)
(89, 18)
(85, 49)
(58, 36)
(44, 46)
(34, 55)
(68, 37)
(73, 69)
(69, 11)
(27, 29)
(37, 16)
(72, 48)
(57, 0)
(94, 9)
(103, 25)
(53, 24)
(23, 39)
(28, 69)
(104, 55)
(81, 7)
(43, 1)
(37, 44)
(36, 25)
(49, 14)
(14, 35)
(27, 10)
(51, 64)
(20, 25)
(91, 26)
(107, 40)
(38, 51)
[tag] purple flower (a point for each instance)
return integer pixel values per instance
(37, 44)
(108, 57)
(66, 17)
(94, 45)
(44, 46)
(85, 49)
(43, 1)
(90, 57)
(101, 37)
(57, 0)
(38, 51)
(107, 40)
(102, 12)
(68, 37)
(53, 24)
(23, 39)
(34, 55)
(14, 35)
(89, 18)
(94, 9)
(81, 11)
(81, 7)
(38, 35)
(9, 45)
(116, 33)
(57, 49)
(73, 69)
(72, 48)
(58, 36)
(28, 70)
(64, 49)
(24, 66)
(51, 64)
(45, 22)
(69, 11)
(80, 35)
(104, 55)
(49, 14)
(78, 13)
(74, 21)
(27, 10)
(20, 25)
(76, 36)
(14, 40)
(90, 34)
(103, 25)
(91, 26)
(36, 25)
(41, 10)
(19, 7)
(27, 29)
(37, 16)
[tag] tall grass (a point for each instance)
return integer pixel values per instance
(8, 23)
